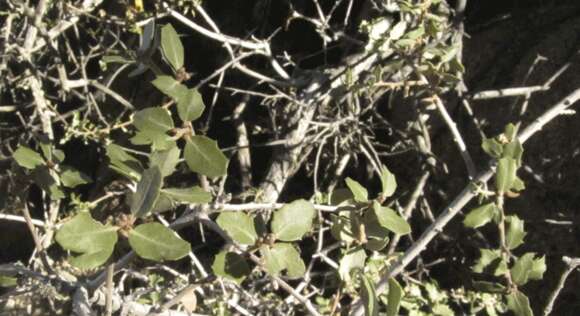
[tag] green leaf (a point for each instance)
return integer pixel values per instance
(341, 196)
(390, 220)
(48, 181)
(515, 232)
(511, 131)
(91, 260)
(492, 147)
(341, 228)
(239, 226)
(156, 242)
(388, 182)
(273, 262)
(295, 267)
(368, 295)
(170, 87)
(514, 150)
(506, 174)
(147, 192)
(70, 177)
(353, 259)
(284, 256)
(159, 140)
(153, 124)
(490, 261)
(164, 203)
(231, 265)
(376, 234)
(519, 304)
(153, 120)
(394, 297)
(203, 156)
(518, 185)
(83, 234)
(166, 160)
(441, 309)
(58, 155)
(358, 191)
(293, 220)
(124, 163)
(193, 195)
(480, 216)
(528, 268)
(171, 47)
(538, 268)
(376, 244)
(27, 158)
(190, 105)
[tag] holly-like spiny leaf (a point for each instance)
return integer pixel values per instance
(203, 156)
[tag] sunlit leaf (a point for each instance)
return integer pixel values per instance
(341, 228)
(70, 177)
(156, 242)
(480, 216)
(283, 256)
(358, 191)
(190, 105)
(492, 147)
(527, 267)
(239, 226)
(153, 119)
(394, 297)
(490, 261)
(353, 259)
(519, 304)
(28, 158)
(84, 235)
(506, 174)
(515, 232)
(170, 87)
(166, 160)
(123, 163)
(293, 220)
(369, 297)
(511, 131)
(376, 234)
(514, 150)
(388, 182)
(171, 47)
(390, 220)
(203, 156)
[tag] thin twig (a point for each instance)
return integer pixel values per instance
(462, 199)
(571, 265)
(471, 171)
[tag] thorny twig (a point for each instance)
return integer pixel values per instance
(463, 198)
(571, 265)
